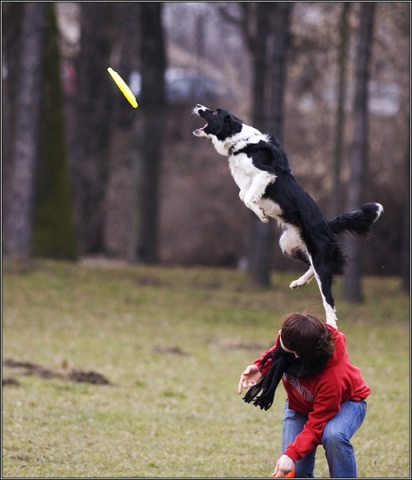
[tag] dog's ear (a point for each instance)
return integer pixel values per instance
(231, 124)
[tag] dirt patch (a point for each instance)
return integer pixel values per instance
(10, 381)
(87, 377)
(168, 350)
(72, 375)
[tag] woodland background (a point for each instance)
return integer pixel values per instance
(85, 174)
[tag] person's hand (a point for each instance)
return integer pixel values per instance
(283, 466)
(249, 377)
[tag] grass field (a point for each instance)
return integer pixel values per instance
(172, 343)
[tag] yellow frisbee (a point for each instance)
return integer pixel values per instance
(123, 87)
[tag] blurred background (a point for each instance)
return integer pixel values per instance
(85, 175)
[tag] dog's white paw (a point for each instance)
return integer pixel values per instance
(259, 212)
(262, 216)
(256, 198)
(303, 280)
(300, 282)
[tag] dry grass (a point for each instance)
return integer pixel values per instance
(172, 343)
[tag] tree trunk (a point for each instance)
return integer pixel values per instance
(272, 18)
(149, 130)
(53, 229)
(336, 200)
(25, 141)
(352, 291)
(12, 23)
(261, 235)
(280, 46)
(260, 87)
(93, 114)
(120, 201)
(406, 235)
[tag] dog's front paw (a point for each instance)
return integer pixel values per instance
(295, 284)
(303, 280)
(262, 216)
(259, 212)
(256, 197)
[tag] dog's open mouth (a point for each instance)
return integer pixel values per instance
(198, 110)
(198, 131)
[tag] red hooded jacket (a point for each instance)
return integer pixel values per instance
(321, 395)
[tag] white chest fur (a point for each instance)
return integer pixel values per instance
(242, 169)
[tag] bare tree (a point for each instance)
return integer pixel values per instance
(344, 32)
(265, 27)
(149, 128)
(53, 227)
(119, 209)
(25, 138)
(273, 26)
(406, 257)
(261, 236)
(359, 150)
(11, 36)
(93, 114)
(280, 30)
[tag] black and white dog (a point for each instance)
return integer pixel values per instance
(261, 170)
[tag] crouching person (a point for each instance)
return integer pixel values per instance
(326, 394)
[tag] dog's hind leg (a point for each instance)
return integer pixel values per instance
(291, 244)
(330, 312)
(325, 280)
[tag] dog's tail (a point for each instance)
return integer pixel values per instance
(357, 222)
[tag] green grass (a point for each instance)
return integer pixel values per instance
(173, 343)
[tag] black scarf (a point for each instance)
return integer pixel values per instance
(282, 362)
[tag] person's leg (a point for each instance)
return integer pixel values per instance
(293, 423)
(336, 439)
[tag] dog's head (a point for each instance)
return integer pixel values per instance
(220, 123)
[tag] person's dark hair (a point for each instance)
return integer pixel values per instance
(307, 335)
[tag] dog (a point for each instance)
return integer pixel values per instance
(260, 167)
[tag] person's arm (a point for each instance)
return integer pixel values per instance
(253, 373)
(249, 377)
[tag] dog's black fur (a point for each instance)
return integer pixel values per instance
(261, 169)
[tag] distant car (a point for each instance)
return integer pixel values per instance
(185, 85)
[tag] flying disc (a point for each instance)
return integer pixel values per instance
(123, 87)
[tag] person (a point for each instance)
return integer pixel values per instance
(326, 395)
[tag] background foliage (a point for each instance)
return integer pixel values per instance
(200, 219)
